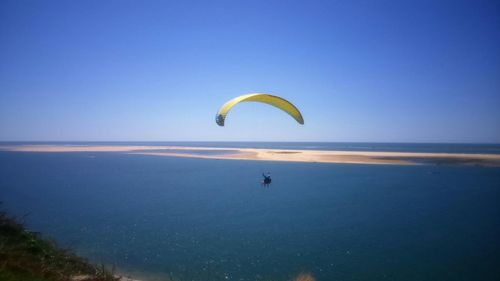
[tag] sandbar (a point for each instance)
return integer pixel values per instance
(267, 154)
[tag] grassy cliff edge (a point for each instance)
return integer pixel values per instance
(26, 256)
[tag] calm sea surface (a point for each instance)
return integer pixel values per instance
(203, 219)
(347, 146)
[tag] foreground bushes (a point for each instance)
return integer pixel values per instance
(26, 256)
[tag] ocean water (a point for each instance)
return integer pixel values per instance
(203, 219)
(343, 146)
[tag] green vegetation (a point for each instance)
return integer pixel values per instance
(25, 256)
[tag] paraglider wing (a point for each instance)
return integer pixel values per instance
(278, 102)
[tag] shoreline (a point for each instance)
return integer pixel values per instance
(282, 155)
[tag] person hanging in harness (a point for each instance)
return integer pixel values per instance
(267, 179)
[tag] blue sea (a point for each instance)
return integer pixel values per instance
(168, 218)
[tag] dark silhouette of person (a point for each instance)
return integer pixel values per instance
(267, 179)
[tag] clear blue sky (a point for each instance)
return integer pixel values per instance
(386, 71)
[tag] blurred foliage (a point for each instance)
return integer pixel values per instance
(26, 256)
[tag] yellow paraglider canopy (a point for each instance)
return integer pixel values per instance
(264, 98)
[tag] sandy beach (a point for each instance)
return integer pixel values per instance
(259, 154)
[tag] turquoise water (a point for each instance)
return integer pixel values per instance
(202, 152)
(204, 219)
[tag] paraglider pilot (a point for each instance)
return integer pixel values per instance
(267, 179)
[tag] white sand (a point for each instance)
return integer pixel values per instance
(319, 156)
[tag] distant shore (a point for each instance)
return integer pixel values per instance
(288, 155)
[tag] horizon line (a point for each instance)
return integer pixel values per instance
(240, 141)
